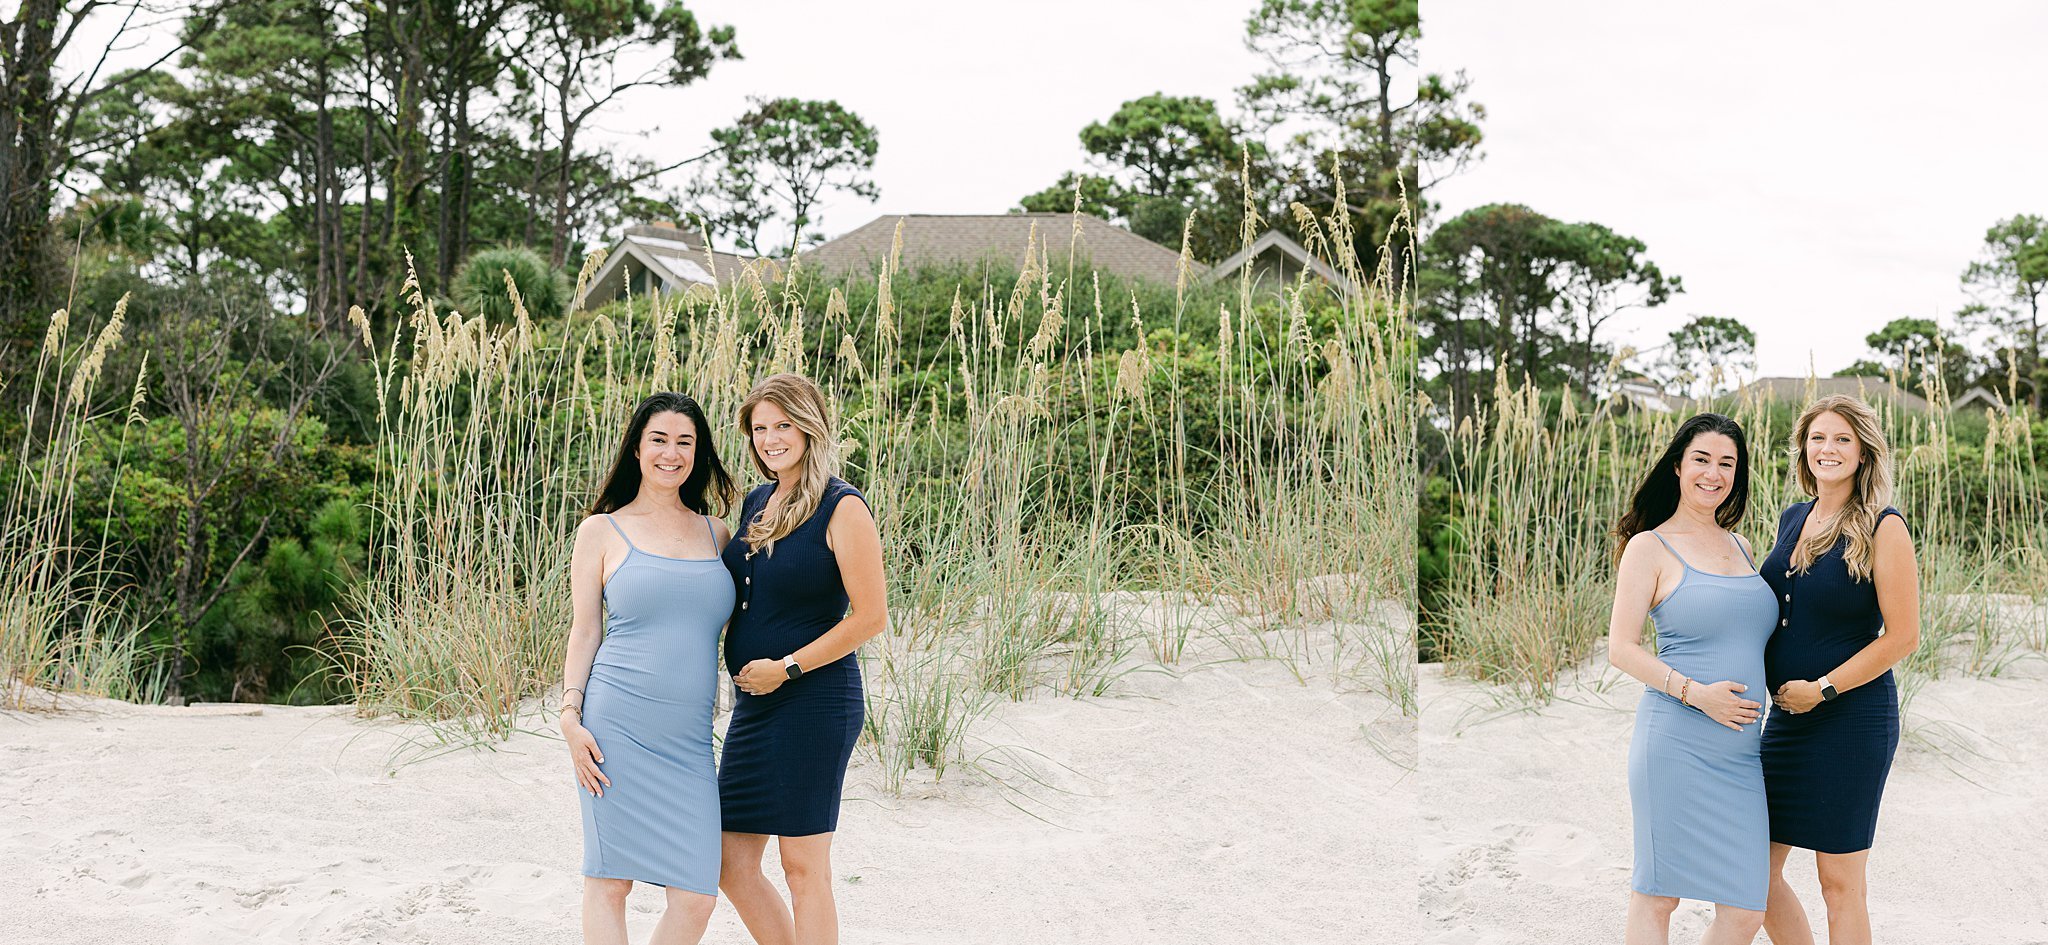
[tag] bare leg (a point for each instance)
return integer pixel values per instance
(752, 895)
(1784, 918)
(1843, 886)
(683, 918)
(1649, 919)
(807, 865)
(1732, 926)
(604, 910)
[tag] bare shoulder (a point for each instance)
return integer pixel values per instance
(1892, 530)
(852, 510)
(1639, 545)
(596, 535)
(1644, 555)
(1740, 540)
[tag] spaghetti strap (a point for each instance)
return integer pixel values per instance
(622, 532)
(1674, 552)
(1739, 546)
(712, 530)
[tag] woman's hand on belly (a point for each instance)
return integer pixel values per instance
(1797, 696)
(1722, 702)
(761, 677)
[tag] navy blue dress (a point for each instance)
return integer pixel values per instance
(786, 752)
(1824, 770)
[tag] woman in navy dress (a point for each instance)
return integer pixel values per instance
(640, 677)
(1849, 600)
(806, 568)
(1696, 789)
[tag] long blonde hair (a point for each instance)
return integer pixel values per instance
(796, 396)
(1872, 487)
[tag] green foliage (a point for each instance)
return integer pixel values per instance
(268, 639)
(1708, 352)
(1166, 143)
(1092, 194)
(2010, 279)
(1505, 288)
(479, 287)
(1330, 79)
(777, 160)
(1169, 159)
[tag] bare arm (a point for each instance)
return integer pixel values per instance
(1635, 583)
(1896, 573)
(1634, 587)
(857, 544)
(586, 631)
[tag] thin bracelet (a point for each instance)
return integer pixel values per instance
(566, 690)
(1683, 690)
(1665, 686)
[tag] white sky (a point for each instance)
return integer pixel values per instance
(975, 105)
(1814, 169)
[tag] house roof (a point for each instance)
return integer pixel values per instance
(954, 239)
(1643, 393)
(1979, 396)
(1273, 241)
(677, 257)
(1800, 388)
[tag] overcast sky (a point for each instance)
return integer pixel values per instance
(1814, 169)
(975, 105)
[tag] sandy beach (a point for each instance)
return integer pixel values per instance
(1526, 837)
(1219, 802)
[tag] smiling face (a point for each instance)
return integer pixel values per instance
(1706, 471)
(668, 449)
(1833, 452)
(777, 442)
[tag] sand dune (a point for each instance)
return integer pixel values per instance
(1204, 803)
(1526, 839)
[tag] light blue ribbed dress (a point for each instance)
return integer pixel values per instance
(1702, 828)
(648, 704)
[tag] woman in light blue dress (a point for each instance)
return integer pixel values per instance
(641, 674)
(1695, 776)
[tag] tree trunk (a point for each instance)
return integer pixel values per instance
(27, 188)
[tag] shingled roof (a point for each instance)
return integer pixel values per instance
(947, 239)
(1800, 389)
(676, 259)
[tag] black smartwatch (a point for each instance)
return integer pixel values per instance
(789, 666)
(1827, 690)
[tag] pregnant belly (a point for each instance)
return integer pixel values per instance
(665, 717)
(1791, 659)
(747, 642)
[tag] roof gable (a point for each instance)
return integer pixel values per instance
(1273, 241)
(953, 239)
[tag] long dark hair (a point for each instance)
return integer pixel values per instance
(708, 481)
(1657, 498)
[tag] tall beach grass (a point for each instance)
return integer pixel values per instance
(1040, 488)
(1539, 479)
(65, 622)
